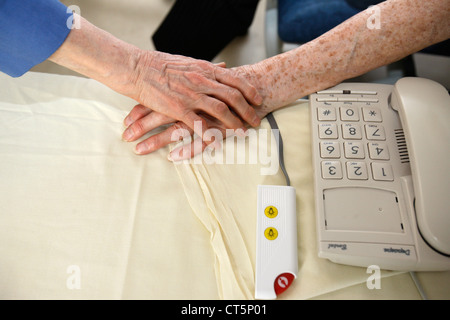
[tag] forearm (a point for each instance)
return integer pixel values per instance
(99, 55)
(351, 49)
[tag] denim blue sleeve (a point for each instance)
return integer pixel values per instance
(30, 32)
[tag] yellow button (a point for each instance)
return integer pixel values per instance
(271, 233)
(271, 212)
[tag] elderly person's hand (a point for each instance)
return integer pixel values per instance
(181, 88)
(175, 86)
(142, 120)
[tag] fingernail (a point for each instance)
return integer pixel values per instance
(175, 155)
(128, 134)
(181, 153)
(128, 121)
(140, 148)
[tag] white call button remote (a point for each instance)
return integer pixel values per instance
(276, 241)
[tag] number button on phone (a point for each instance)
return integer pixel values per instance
(357, 170)
(349, 113)
(375, 132)
(382, 171)
(328, 131)
(353, 150)
(330, 149)
(378, 151)
(331, 170)
(351, 131)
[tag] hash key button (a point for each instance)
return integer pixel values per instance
(326, 114)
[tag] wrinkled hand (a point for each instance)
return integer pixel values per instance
(142, 120)
(182, 88)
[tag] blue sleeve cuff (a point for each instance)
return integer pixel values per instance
(30, 32)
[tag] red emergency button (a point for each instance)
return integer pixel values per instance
(282, 282)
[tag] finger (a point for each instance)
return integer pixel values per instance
(235, 100)
(178, 131)
(217, 107)
(136, 113)
(187, 151)
(145, 124)
(213, 140)
(219, 110)
(194, 122)
(233, 79)
(221, 64)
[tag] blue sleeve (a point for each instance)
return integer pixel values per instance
(30, 32)
(363, 4)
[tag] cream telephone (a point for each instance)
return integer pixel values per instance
(381, 156)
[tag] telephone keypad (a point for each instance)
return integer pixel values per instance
(352, 137)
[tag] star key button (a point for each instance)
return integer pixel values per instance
(372, 114)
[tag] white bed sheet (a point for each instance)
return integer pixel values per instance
(83, 217)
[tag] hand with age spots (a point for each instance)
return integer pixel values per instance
(142, 120)
(182, 88)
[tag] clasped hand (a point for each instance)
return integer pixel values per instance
(181, 90)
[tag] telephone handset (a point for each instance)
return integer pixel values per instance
(424, 109)
(380, 157)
